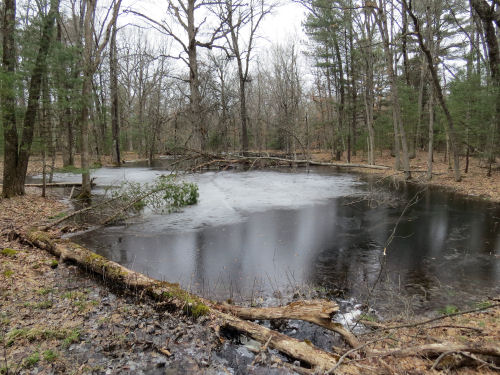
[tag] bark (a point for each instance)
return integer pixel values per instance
(340, 70)
(196, 114)
(17, 154)
(318, 312)
(420, 109)
(115, 116)
(436, 349)
(320, 361)
(491, 17)
(430, 151)
(368, 91)
(11, 186)
(91, 58)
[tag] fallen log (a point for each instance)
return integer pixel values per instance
(436, 349)
(56, 184)
(318, 163)
(294, 348)
(233, 159)
(318, 312)
(176, 297)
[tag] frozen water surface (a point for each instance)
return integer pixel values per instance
(261, 234)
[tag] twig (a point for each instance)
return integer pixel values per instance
(344, 356)
(441, 356)
(411, 325)
(459, 327)
(486, 363)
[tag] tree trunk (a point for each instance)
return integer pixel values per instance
(430, 150)
(439, 94)
(86, 96)
(368, 92)
(17, 157)
(11, 185)
(398, 122)
(115, 116)
(489, 17)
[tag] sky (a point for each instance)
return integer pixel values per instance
(283, 25)
(286, 21)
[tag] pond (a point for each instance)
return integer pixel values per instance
(257, 236)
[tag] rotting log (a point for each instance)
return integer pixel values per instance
(294, 348)
(318, 312)
(119, 275)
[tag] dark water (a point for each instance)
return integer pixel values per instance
(261, 234)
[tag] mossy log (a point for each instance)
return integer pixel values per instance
(121, 276)
(320, 360)
(318, 312)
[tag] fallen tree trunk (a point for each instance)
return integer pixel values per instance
(436, 349)
(172, 294)
(56, 184)
(318, 312)
(217, 159)
(319, 163)
(294, 348)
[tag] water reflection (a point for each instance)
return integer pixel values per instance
(445, 249)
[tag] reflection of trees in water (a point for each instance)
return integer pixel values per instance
(441, 242)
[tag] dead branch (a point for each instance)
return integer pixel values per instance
(318, 312)
(440, 348)
(349, 352)
(318, 163)
(477, 359)
(78, 212)
(411, 325)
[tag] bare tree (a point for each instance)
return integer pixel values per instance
(396, 107)
(242, 20)
(92, 55)
(184, 12)
(437, 89)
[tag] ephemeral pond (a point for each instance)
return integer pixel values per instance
(256, 236)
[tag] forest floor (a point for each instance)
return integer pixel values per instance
(56, 318)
